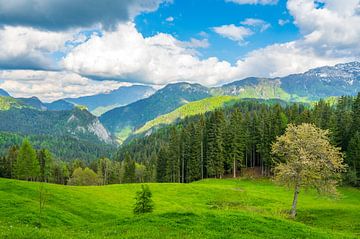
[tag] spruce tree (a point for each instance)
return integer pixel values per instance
(353, 158)
(144, 202)
(161, 165)
(129, 169)
(27, 165)
(45, 162)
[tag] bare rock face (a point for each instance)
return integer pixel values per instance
(99, 130)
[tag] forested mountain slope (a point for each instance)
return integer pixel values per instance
(124, 120)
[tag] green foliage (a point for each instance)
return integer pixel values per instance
(83, 177)
(45, 161)
(307, 159)
(144, 202)
(129, 170)
(27, 165)
(353, 159)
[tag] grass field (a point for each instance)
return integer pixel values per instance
(205, 209)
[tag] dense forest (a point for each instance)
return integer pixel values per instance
(226, 142)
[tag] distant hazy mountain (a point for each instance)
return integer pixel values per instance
(3, 93)
(59, 105)
(101, 103)
(122, 121)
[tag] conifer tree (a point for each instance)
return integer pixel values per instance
(144, 202)
(173, 165)
(27, 165)
(45, 162)
(353, 158)
(129, 169)
(161, 165)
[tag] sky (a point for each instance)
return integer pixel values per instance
(55, 49)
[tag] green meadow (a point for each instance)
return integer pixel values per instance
(227, 208)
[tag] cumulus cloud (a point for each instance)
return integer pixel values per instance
(51, 85)
(234, 33)
(330, 34)
(332, 30)
(64, 14)
(160, 59)
(262, 2)
(24, 47)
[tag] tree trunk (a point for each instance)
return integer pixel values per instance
(296, 193)
(234, 168)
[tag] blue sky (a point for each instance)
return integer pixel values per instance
(192, 17)
(68, 48)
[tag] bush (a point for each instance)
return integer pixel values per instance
(144, 203)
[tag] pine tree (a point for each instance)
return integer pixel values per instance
(129, 169)
(144, 202)
(27, 165)
(353, 158)
(7, 162)
(194, 161)
(161, 165)
(215, 145)
(173, 162)
(45, 162)
(235, 141)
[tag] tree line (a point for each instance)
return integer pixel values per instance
(222, 143)
(26, 163)
(228, 140)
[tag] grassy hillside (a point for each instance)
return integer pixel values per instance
(206, 209)
(190, 109)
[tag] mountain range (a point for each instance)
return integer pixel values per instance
(323, 82)
(129, 110)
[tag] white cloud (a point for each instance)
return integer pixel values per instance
(262, 2)
(195, 43)
(52, 85)
(331, 34)
(257, 23)
(232, 32)
(160, 59)
(283, 22)
(169, 19)
(333, 30)
(24, 47)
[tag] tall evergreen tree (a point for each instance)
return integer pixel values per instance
(235, 142)
(173, 164)
(195, 155)
(353, 158)
(129, 169)
(45, 162)
(215, 150)
(8, 162)
(27, 165)
(161, 165)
